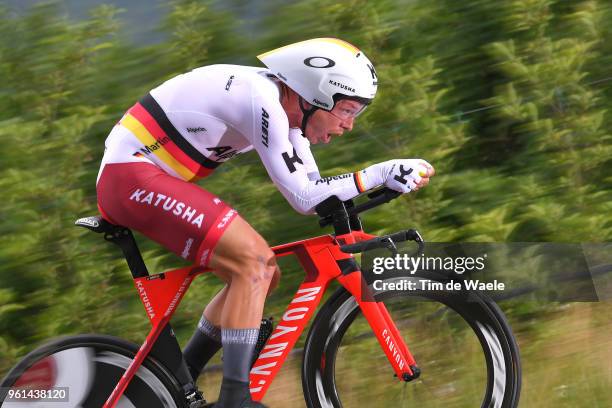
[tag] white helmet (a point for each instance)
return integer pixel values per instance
(323, 71)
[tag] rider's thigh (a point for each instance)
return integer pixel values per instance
(242, 253)
(183, 217)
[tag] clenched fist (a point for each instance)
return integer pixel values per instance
(407, 175)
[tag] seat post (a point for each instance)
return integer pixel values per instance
(124, 239)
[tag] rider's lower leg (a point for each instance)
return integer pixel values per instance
(243, 259)
(206, 339)
(203, 345)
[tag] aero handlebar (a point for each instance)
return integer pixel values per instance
(343, 215)
(386, 241)
(331, 206)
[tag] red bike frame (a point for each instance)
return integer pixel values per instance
(323, 261)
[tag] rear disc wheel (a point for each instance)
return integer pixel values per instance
(89, 367)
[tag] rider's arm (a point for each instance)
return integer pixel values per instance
(290, 171)
(302, 148)
(285, 167)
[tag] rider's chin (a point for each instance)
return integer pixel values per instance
(312, 139)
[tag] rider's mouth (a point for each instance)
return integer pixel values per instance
(327, 138)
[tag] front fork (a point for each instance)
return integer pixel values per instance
(384, 327)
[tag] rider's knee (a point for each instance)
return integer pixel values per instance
(257, 264)
(275, 280)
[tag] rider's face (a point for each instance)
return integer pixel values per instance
(322, 125)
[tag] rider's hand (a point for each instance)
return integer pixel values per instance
(405, 175)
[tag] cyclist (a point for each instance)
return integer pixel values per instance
(182, 130)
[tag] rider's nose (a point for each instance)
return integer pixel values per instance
(348, 124)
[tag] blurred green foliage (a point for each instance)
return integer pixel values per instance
(507, 99)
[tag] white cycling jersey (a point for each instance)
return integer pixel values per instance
(195, 121)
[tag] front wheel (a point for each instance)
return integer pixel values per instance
(461, 341)
(87, 368)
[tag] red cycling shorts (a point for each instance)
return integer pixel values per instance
(183, 217)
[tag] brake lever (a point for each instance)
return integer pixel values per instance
(390, 245)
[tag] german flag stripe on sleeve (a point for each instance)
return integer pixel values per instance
(358, 182)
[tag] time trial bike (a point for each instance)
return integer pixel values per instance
(462, 352)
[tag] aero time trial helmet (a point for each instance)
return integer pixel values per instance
(323, 71)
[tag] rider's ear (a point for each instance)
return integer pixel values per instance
(291, 94)
(286, 92)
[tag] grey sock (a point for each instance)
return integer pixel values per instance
(212, 331)
(204, 343)
(238, 347)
